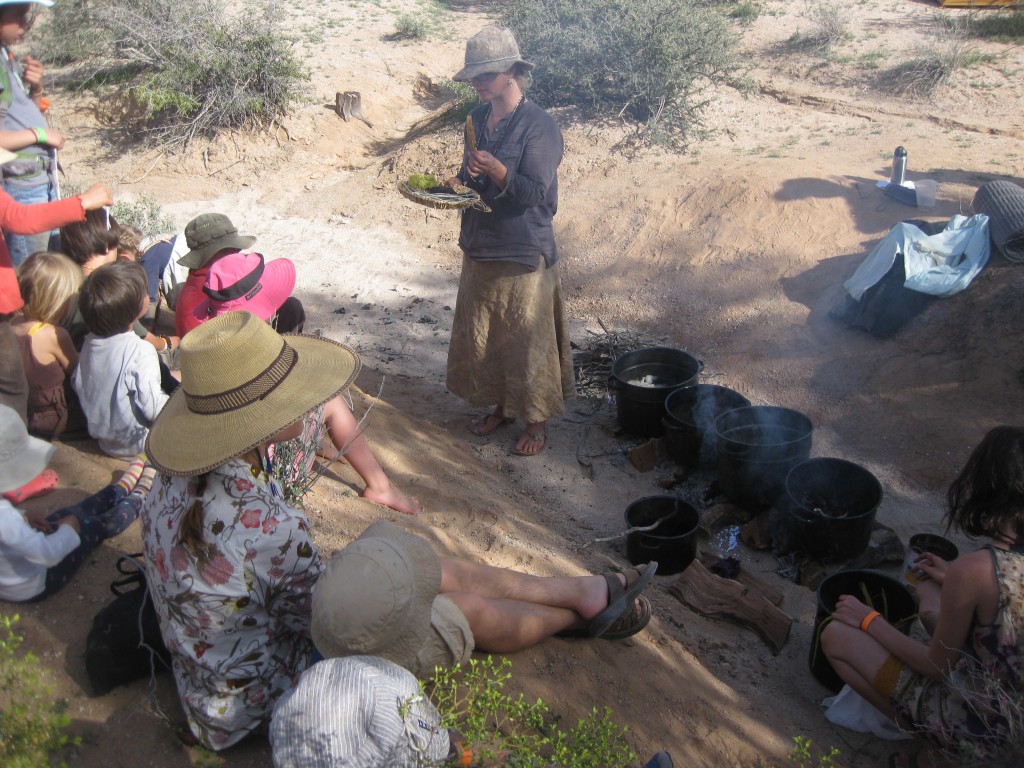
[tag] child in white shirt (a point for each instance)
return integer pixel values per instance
(118, 374)
(39, 553)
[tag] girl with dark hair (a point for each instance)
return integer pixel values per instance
(961, 694)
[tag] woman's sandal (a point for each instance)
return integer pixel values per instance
(480, 426)
(540, 436)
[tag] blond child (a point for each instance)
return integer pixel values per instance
(118, 374)
(49, 283)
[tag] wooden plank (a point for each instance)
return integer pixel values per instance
(745, 577)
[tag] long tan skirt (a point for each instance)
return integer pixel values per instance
(510, 340)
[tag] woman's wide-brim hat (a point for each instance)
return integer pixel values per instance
(241, 383)
(492, 49)
(22, 457)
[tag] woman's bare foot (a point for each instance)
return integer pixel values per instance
(393, 498)
(532, 441)
(492, 422)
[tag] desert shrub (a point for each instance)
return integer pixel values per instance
(411, 27)
(145, 214)
(830, 25)
(499, 726)
(744, 12)
(647, 61)
(32, 720)
(931, 66)
(188, 66)
(1001, 26)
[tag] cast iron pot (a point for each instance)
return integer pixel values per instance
(830, 507)
(757, 446)
(673, 544)
(642, 379)
(893, 600)
(689, 422)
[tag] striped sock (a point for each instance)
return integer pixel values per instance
(132, 474)
(145, 483)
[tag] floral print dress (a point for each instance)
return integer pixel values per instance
(964, 711)
(235, 614)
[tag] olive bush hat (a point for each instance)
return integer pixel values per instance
(492, 49)
(209, 233)
(379, 597)
(241, 383)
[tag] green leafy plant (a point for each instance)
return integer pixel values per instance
(646, 61)
(803, 756)
(32, 720)
(498, 725)
(745, 12)
(145, 213)
(409, 26)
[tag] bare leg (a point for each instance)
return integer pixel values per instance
(504, 626)
(532, 441)
(344, 433)
(856, 657)
(928, 594)
(586, 596)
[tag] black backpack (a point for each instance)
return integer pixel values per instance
(124, 643)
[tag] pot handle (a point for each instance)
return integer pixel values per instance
(700, 366)
(614, 383)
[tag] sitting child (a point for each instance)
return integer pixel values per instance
(49, 284)
(244, 282)
(39, 554)
(118, 375)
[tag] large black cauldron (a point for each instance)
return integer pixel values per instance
(689, 422)
(642, 379)
(830, 507)
(757, 446)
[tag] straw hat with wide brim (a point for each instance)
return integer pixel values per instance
(242, 383)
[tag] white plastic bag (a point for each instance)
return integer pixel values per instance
(851, 710)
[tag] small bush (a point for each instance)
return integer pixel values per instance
(411, 27)
(648, 61)
(191, 68)
(830, 25)
(745, 12)
(32, 721)
(145, 214)
(1001, 26)
(931, 67)
(499, 726)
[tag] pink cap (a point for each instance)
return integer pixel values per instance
(242, 281)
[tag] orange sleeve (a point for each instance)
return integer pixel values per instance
(38, 217)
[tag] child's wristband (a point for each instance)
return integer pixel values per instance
(40, 135)
(866, 621)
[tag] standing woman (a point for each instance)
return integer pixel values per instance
(510, 336)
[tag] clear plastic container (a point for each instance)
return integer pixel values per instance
(925, 190)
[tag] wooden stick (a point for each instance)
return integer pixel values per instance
(470, 134)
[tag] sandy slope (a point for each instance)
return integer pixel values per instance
(735, 251)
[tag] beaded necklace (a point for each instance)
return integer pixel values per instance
(504, 128)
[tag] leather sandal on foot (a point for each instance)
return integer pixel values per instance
(540, 436)
(627, 625)
(620, 600)
(480, 429)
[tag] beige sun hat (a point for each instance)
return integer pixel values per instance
(492, 49)
(379, 597)
(22, 457)
(242, 382)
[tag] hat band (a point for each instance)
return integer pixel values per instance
(239, 289)
(248, 393)
(494, 61)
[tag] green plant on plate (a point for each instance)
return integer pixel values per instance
(498, 725)
(32, 720)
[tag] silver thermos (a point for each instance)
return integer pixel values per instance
(899, 166)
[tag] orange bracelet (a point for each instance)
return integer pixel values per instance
(866, 621)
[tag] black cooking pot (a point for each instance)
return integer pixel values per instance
(757, 446)
(673, 544)
(830, 507)
(689, 421)
(642, 379)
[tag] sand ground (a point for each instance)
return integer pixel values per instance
(735, 251)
